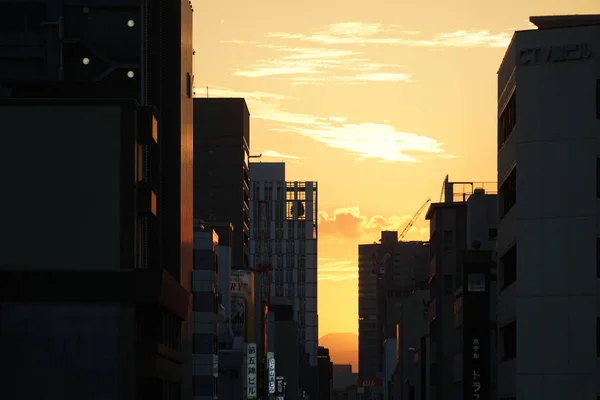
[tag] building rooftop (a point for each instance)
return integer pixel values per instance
(564, 21)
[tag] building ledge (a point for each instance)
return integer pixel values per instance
(564, 21)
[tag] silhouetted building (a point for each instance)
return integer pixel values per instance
(288, 353)
(119, 243)
(284, 246)
(325, 370)
(452, 225)
(221, 174)
(388, 272)
(548, 246)
(205, 282)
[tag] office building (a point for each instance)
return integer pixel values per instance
(56, 58)
(548, 125)
(325, 368)
(388, 272)
(205, 343)
(412, 325)
(451, 226)
(284, 245)
(221, 175)
(369, 345)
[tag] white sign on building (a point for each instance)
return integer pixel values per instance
(271, 371)
(251, 366)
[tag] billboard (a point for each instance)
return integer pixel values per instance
(242, 304)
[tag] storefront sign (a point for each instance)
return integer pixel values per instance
(554, 53)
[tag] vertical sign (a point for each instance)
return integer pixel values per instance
(476, 325)
(271, 371)
(242, 303)
(251, 370)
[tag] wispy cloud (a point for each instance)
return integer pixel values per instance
(332, 270)
(364, 140)
(358, 33)
(333, 55)
(276, 154)
(309, 65)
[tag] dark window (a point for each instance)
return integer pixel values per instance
(597, 257)
(448, 241)
(508, 266)
(597, 98)
(598, 337)
(508, 336)
(598, 177)
(508, 193)
(448, 289)
(508, 120)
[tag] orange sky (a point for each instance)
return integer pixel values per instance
(377, 101)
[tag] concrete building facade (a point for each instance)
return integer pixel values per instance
(548, 124)
(284, 218)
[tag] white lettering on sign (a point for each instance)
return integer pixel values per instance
(475, 349)
(271, 372)
(554, 53)
(476, 386)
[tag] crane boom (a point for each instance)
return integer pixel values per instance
(413, 220)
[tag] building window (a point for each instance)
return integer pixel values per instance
(448, 289)
(448, 241)
(508, 267)
(598, 177)
(598, 337)
(598, 98)
(508, 193)
(508, 335)
(597, 257)
(508, 120)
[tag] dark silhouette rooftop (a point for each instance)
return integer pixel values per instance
(564, 21)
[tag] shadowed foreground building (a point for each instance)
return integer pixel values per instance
(98, 304)
(548, 246)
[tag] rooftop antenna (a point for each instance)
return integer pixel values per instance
(207, 92)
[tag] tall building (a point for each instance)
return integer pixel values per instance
(284, 245)
(388, 272)
(221, 174)
(97, 78)
(452, 225)
(325, 367)
(369, 346)
(205, 343)
(547, 236)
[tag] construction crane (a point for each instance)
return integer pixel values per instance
(413, 220)
(379, 266)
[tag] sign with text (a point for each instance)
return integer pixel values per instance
(251, 366)
(242, 303)
(476, 325)
(271, 372)
(373, 382)
(554, 54)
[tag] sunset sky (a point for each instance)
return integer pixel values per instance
(376, 100)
